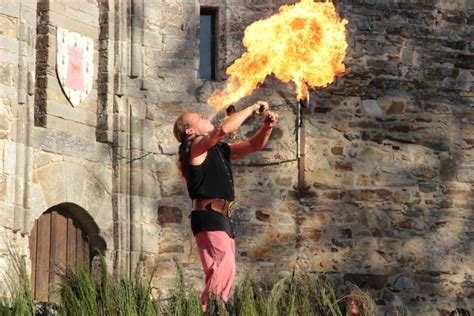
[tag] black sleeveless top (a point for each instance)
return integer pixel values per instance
(211, 179)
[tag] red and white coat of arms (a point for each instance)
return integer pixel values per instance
(75, 66)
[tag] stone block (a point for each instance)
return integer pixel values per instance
(318, 220)
(8, 26)
(372, 154)
(9, 156)
(448, 169)
(144, 183)
(66, 111)
(455, 5)
(8, 74)
(169, 215)
(56, 123)
(169, 149)
(10, 8)
(148, 208)
(424, 172)
(171, 248)
(337, 150)
(401, 197)
(103, 176)
(466, 176)
(4, 123)
(324, 178)
(173, 187)
(372, 281)
(53, 185)
(9, 57)
(89, 18)
(61, 20)
(70, 145)
(261, 253)
(377, 195)
(55, 95)
(160, 164)
(80, 130)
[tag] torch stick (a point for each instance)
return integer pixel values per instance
(300, 143)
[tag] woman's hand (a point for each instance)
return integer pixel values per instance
(259, 107)
(270, 119)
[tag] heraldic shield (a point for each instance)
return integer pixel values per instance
(74, 60)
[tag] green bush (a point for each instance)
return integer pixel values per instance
(82, 292)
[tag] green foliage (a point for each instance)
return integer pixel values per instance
(288, 296)
(246, 298)
(184, 300)
(19, 286)
(82, 293)
(77, 292)
(133, 296)
(325, 298)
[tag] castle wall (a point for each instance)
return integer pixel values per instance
(389, 146)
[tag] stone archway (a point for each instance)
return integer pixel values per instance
(63, 238)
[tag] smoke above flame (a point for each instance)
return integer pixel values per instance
(304, 43)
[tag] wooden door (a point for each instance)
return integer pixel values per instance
(57, 243)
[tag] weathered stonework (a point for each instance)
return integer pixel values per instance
(389, 146)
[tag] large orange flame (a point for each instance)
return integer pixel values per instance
(304, 43)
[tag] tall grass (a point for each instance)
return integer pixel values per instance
(320, 295)
(19, 287)
(78, 295)
(82, 292)
(134, 296)
(296, 295)
(184, 300)
(288, 296)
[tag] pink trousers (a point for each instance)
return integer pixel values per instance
(217, 252)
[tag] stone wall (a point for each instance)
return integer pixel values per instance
(17, 42)
(389, 162)
(389, 147)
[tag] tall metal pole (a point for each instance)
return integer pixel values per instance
(300, 143)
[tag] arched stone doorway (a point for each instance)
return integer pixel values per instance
(64, 237)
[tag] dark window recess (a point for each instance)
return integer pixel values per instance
(208, 48)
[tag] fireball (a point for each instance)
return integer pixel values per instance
(304, 43)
